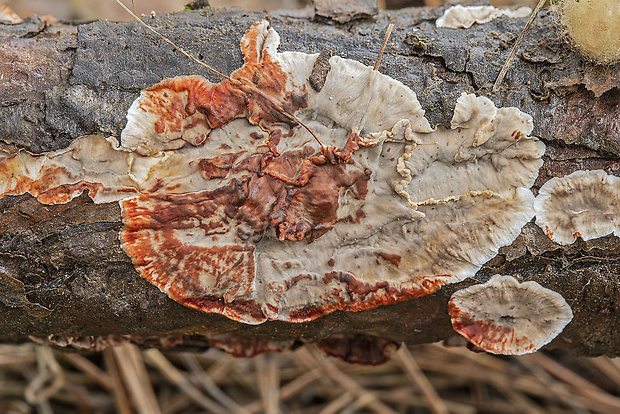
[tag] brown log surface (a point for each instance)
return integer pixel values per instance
(62, 81)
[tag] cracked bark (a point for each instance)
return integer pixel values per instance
(58, 82)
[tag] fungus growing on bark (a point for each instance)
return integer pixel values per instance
(464, 17)
(229, 206)
(99, 343)
(90, 163)
(583, 204)
(503, 316)
(83, 343)
(357, 349)
(243, 346)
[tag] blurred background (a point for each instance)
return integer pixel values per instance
(108, 9)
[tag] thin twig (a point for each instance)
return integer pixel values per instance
(350, 385)
(268, 382)
(177, 403)
(557, 390)
(337, 405)
(388, 33)
(91, 370)
(121, 397)
(513, 52)
(290, 390)
(209, 385)
(49, 379)
(372, 76)
(170, 42)
(608, 367)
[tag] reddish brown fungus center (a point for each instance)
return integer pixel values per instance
(296, 196)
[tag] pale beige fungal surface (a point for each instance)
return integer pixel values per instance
(583, 204)
(503, 316)
(464, 17)
(90, 163)
(231, 207)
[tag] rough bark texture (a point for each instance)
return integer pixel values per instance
(58, 82)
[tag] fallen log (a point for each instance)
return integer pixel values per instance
(62, 269)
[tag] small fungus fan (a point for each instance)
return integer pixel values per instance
(583, 204)
(503, 316)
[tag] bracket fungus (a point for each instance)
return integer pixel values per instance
(229, 206)
(8, 16)
(464, 17)
(583, 204)
(503, 316)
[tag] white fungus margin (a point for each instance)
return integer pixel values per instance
(503, 316)
(464, 17)
(583, 204)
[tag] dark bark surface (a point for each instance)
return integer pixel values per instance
(59, 82)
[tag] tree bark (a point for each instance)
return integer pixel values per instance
(63, 272)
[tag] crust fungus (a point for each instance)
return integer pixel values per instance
(230, 206)
(357, 349)
(243, 346)
(464, 17)
(82, 343)
(583, 204)
(90, 163)
(503, 316)
(99, 343)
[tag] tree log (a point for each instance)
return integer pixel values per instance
(62, 269)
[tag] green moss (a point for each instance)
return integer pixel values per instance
(198, 5)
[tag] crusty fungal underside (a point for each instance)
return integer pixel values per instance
(583, 204)
(230, 206)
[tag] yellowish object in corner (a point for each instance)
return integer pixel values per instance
(594, 27)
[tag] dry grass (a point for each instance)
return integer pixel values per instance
(425, 379)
